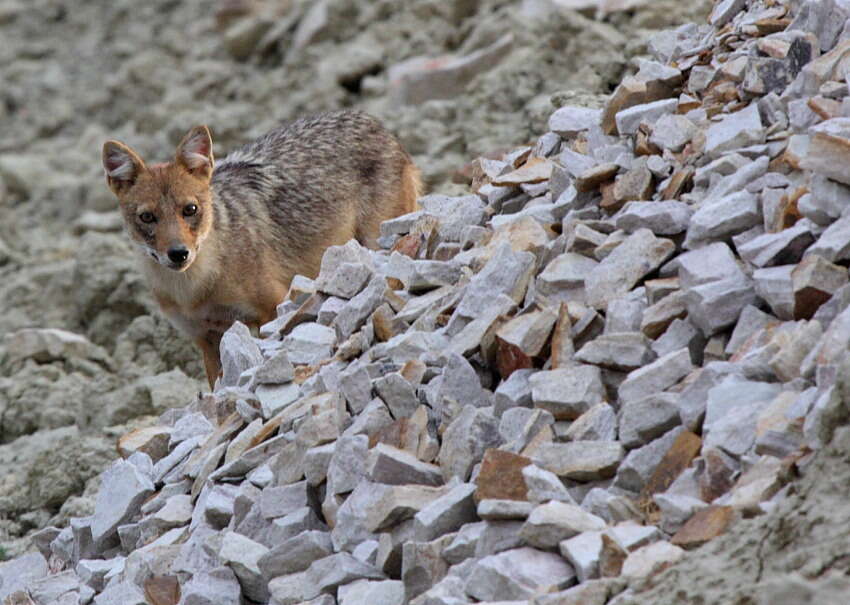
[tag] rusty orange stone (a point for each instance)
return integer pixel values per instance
(680, 182)
(704, 525)
(562, 348)
(611, 558)
(162, 590)
(409, 244)
(510, 358)
(401, 434)
(679, 457)
(500, 477)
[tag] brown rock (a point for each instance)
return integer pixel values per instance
(500, 477)
(409, 244)
(679, 457)
(687, 103)
(152, 440)
(611, 557)
(562, 347)
(634, 185)
(658, 317)
(510, 358)
(771, 25)
(303, 373)
(535, 170)
(720, 93)
(528, 332)
(523, 235)
(788, 213)
(718, 476)
(401, 434)
(825, 108)
(594, 177)
(446, 251)
(385, 323)
(162, 590)
(629, 93)
(829, 151)
(680, 182)
(413, 371)
(643, 146)
(395, 284)
(814, 281)
(409, 434)
(793, 156)
(705, 525)
(609, 204)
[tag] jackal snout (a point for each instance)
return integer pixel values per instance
(178, 255)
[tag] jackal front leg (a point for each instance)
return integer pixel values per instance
(209, 346)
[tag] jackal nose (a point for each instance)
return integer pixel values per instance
(178, 256)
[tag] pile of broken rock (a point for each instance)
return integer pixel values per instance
(543, 392)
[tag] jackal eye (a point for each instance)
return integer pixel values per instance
(147, 217)
(190, 210)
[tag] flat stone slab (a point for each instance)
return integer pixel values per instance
(567, 392)
(553, 522)
(580, 460)
(637, 256)
(518, 574)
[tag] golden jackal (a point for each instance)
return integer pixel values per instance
(222, 241)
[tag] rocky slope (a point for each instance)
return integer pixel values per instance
(611, 371)
(74, 75)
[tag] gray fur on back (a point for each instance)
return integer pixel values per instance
(291, 184)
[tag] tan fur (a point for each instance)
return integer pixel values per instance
(241, 263)
(401, 200)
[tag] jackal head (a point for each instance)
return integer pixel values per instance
(167, 207)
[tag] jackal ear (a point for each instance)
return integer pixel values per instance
(195, 152)
(122, 165)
